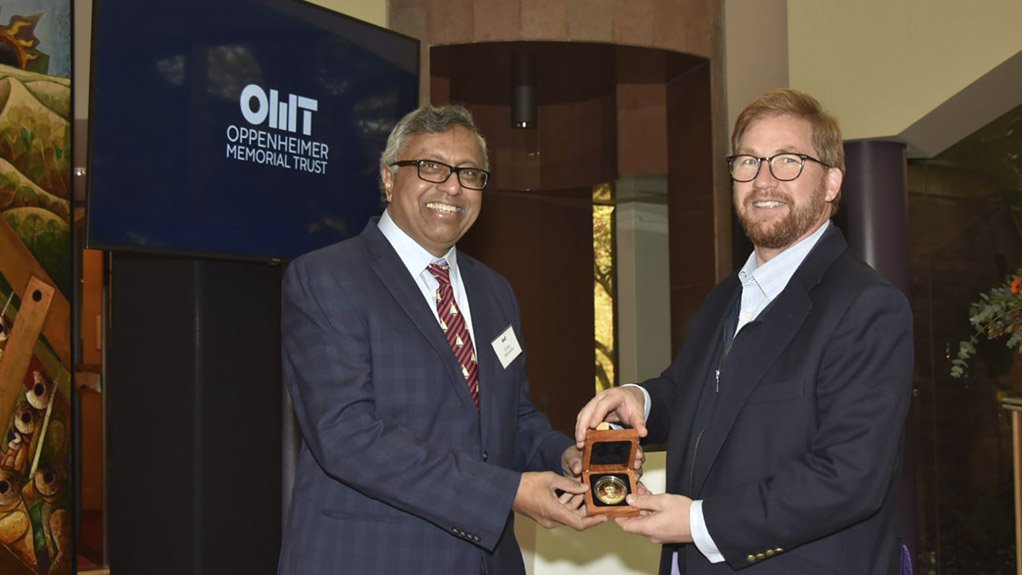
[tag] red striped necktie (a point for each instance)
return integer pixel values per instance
(453, 323)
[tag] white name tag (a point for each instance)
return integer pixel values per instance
(507, 347)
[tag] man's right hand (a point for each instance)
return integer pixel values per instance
(623, 405)
(537, 498)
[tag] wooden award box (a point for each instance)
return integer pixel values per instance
(608, 467)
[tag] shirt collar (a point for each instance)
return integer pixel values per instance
(773, 276)
(415, 257)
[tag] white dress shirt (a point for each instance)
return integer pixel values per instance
(417, 260)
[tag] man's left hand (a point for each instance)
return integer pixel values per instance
(571, 467)
(571, 463)
(663, 519)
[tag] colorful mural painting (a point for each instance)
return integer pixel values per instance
(35, 283)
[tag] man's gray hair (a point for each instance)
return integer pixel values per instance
(428, 120)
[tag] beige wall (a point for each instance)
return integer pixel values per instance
(643, 287)
(925, 72)
(372, 11)
(755, 51)
(883, 65)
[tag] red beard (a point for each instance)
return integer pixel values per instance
(778, 232)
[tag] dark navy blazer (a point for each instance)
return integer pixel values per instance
(798, 464)
(398, 471)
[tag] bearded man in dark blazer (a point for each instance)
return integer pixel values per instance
(783, 411)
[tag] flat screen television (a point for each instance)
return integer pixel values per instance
(246, 129)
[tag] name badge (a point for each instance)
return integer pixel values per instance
(506, 347)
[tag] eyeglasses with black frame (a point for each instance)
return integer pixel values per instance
(784, 167)
(439, 172)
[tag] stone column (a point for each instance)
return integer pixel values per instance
(875, 202)
(875, 211)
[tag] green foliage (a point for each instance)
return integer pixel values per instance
(996, 315)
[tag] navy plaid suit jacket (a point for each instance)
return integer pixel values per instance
(398, 472)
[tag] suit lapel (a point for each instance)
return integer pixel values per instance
(698, 351)
(709, 334)
(755, 349)
(759, 345)
(484, 317)
(394, 276)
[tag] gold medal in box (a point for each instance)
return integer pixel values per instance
(608, 467)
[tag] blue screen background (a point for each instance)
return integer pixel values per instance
(167, 77)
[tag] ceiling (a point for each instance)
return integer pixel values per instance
(995, 150)
(981, 103)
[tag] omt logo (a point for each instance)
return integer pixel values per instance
(258, 107)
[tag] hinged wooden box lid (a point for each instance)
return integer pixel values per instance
(608, 462)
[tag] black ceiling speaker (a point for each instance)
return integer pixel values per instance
(523, 89)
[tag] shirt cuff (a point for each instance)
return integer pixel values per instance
(646, 401)
(700, 536)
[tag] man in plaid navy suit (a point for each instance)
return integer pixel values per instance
(402, 468)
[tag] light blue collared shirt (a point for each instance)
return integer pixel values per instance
(417, 260)
(760, 285)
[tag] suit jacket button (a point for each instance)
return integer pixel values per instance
(779, 550)
(486, 455)
(750, 558)
(770, 552)
(760, 556)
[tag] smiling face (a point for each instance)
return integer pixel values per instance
(435, 215)
(775, 214)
